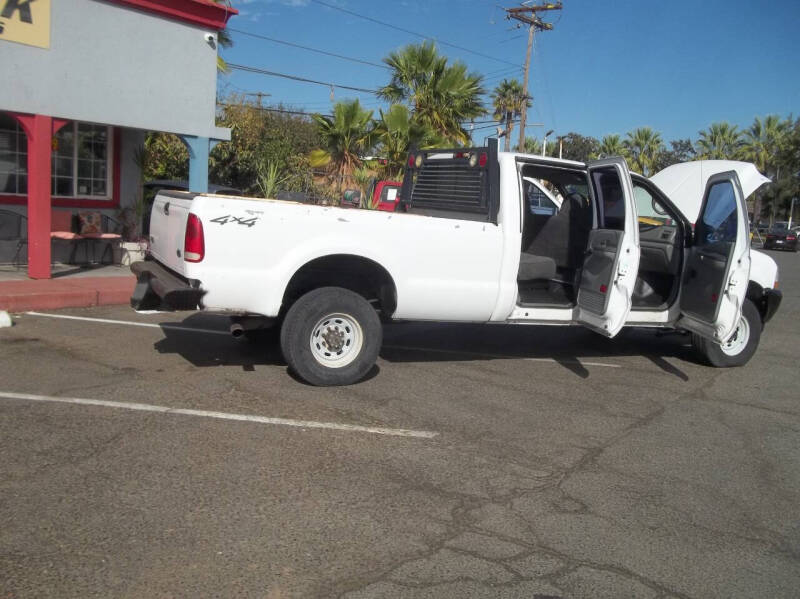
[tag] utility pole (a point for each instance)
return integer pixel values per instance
(259, 95)
(528, 14)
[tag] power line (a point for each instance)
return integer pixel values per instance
(310, 49)
(246, 69)
(265, 109)
(422, 35)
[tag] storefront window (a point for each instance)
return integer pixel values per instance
(13, 157)
(80, 162)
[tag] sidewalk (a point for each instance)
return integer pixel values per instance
(70, 287)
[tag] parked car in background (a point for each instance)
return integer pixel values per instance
(781, 238)
(382, 195)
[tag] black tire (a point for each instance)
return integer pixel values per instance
(347, 337)
(741, 353)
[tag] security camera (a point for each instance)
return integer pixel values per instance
(210, 38)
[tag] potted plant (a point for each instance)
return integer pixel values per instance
(133, 246)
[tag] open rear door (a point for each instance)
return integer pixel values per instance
(612, 256)
(717, 270)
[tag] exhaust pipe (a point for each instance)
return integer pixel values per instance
(241, 324)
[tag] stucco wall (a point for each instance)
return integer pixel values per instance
(118, 66)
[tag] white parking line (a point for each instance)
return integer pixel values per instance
(459, 352)
(130, 323)
(143, 407)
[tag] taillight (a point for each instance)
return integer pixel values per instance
(194, 245)
(790, 238)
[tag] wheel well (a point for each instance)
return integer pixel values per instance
(356, 273)
(755, 293)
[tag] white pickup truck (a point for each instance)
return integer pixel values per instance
(478, 236)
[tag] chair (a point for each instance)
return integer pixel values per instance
(62, 228)
(108, 232)
(14, 227)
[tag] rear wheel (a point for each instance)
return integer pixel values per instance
(331, 336)
(739, 347)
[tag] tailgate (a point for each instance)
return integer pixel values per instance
(168, 228)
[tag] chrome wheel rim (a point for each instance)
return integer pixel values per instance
(336, 340)
(738, 340)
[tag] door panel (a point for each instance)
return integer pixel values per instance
(718, 267)
(599, 268)
(612, 256)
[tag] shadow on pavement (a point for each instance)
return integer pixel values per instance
(572, 347)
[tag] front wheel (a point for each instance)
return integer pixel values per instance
(331, 336)
(739, 347)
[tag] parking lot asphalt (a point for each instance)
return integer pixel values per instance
(476, 461)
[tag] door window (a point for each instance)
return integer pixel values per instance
(719, 223)
(610, 198)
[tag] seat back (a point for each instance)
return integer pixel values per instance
(12, 226)
(564, 236)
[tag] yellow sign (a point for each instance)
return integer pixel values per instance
(25, 22)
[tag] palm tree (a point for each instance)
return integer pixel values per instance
(224, 40)
(396, 132)
(441, 96)
(509, 101)
(643, 146)
(721, 141)
(612, 145)
(762, 144)
(347, 136)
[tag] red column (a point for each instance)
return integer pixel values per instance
(39, 130)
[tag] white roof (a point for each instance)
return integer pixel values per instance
(685, 183)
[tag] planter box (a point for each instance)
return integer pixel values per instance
(128, 252)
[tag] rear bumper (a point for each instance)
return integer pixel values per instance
(772, 301)
(158, 288)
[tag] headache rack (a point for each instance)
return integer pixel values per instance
(453, 183)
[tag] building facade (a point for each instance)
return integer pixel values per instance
(86, 79)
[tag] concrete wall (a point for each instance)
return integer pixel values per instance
(117, 66)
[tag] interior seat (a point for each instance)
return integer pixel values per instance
(565, 235)
(535, 267)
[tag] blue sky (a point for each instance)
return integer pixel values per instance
(607, 67)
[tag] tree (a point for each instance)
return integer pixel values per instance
(682, 150)
(441, 96)
(575, 146)
(261, 137)
(644, 147)
(509, 101)
(763, 141)
(611, 145)
(396, 132)
(346, 137)
(721, 141)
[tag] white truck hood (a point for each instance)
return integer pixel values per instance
(685, 183)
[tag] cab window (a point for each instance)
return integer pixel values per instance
(650, 211)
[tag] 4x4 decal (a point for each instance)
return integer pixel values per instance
(224, 220)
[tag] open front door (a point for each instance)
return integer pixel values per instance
(717, 270)
(612, 256)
